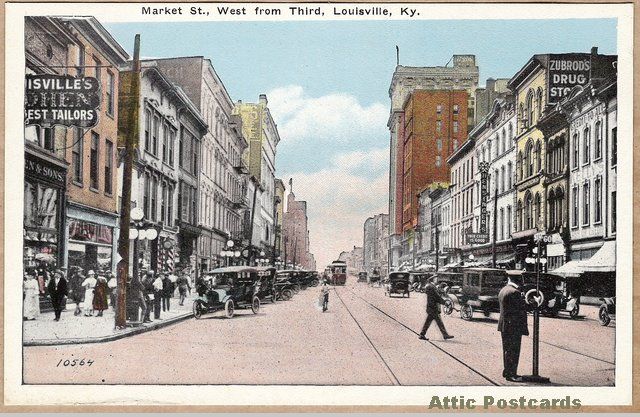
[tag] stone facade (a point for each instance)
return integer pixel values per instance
(375, 244)
(296, 235)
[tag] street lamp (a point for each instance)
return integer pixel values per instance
(138, 232)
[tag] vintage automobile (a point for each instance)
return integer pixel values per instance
(418, 280)
(607, 310)
(308, 279)
(227, 289)
(266, 284)
(374, 278)
(397, 283)
(558, 294)
(293, 276)
(362, 277)
(449, 281)
(284, 288)
(479, 292)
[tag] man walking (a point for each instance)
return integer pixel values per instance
(512, 325)
(433, 310)
(183, 287)
(157, 296)
(167, 292)
(57, 288)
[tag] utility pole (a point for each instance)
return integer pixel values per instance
(495, 226)
(129, 135)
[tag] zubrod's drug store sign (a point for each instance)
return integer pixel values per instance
(565, 72)
(61, 100)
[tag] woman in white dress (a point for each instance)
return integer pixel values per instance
(89, 284)
(31, 298)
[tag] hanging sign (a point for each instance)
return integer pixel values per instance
(484, 195)
(61, 100)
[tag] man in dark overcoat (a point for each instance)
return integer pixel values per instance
(512, 325)
(57, 289)
(434, 299)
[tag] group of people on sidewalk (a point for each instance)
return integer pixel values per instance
(96, 292)
(512, 324)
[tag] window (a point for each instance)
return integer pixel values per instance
(165, 142)
(498, 145)
(519, 215)
(41, 136)
(597, 200)
(529, 157)
(510, 132)
(439, 144)
(539, 102)
(537, 212)
(574, 197)
(438, 126)
(613, 211)
(93, 161)
(81, 62)
(586, 201)
(147, 195)
(586, 146)
(576, 152)
(438, 160)
(501, 224)
(163, 203)
(172, 142)
(455, 144)
(154, 198)
(76, 154)
(597, 151)
(455, 126)
(502, 175)
(110, 92)
(147, 130)
(108, 167)
(528, 207)
(509, 176)
(439, 108)
(456, 109)
(519, 164)
(530, 109)
(170, 205)
(538, 157)
(614, 146)
(155, 135)
(508, 228)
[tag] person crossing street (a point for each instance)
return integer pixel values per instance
(434, 299)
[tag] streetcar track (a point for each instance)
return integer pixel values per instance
(390, 371)
(452, 356)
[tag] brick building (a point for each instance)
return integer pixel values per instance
(296, 234)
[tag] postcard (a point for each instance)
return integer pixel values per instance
(377, 205)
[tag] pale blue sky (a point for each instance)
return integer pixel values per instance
(327, 84)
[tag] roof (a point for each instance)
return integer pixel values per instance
(462, 150)
(231, 269)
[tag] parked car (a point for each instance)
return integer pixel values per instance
(397, 283)
(227, 289)
(362, 277)
(479, 292)
(607, 310)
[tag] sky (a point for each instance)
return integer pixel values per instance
(328, 89)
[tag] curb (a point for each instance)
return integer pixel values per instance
(125, 333)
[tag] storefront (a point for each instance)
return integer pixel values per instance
(44, 201)
(90, 237)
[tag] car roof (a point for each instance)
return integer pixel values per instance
(232, 269)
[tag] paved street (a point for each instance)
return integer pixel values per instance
(364, 339)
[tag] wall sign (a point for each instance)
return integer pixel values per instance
(565, 72)
(61, 100)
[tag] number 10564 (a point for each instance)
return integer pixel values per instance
(74, 362)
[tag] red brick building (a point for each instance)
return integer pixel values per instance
(435, 125)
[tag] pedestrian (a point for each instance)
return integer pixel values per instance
(183, 287)
(434, 299)
(76, 290)
(324, 296)
(512, 326)
(31, 303)
(136, 294)
(157, 296)
(147, 285)
(113, 290)
(57, 289)
(100, 295)
(167, 292)
(89, 285)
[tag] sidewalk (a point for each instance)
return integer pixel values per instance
(44, 331)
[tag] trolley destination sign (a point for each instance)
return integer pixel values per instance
(61, 100)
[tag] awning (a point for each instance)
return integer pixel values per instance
(506, 259)
(570, 269)
(604, 260)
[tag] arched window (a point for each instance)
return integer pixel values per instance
(530, 109)
(509, 175)
(597, 148)
(501, 226)
(576, 147)
(519, 215)
(529, 158)
(502, 179)
(498, 143)
(528, 203)
(510, 133)
(504, 141)
(519, 164)
(586, 146)
(538, 157)
(508, 228)
(539, 103)
(552, 209)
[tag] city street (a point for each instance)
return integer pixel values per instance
(365, 338)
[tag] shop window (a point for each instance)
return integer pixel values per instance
(93, 161)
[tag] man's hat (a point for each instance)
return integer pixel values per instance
(91, 272)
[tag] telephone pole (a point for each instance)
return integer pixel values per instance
(127, 136)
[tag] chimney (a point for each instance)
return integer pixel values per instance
(491, 84)
(594, 50)
(263, 99)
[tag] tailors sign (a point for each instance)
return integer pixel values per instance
(61, 100)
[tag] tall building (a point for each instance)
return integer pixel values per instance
(353, 259)
(296, 234)
(463, 75)
(155, 180)
(91, 222)
(485, 96)
(220, 172)
(262, 135)
(374, 245)
(280, 191)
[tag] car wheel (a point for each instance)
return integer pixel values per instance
(296, 289)
(466, 312)
(603, 316)
(229, 308)
(575, 311)
(255, 305)
(448, 307)
(198, 309)
(314, 283)
(287, 294)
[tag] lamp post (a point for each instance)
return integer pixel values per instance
(137, 232)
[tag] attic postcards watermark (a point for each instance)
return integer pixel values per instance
(319, 205)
